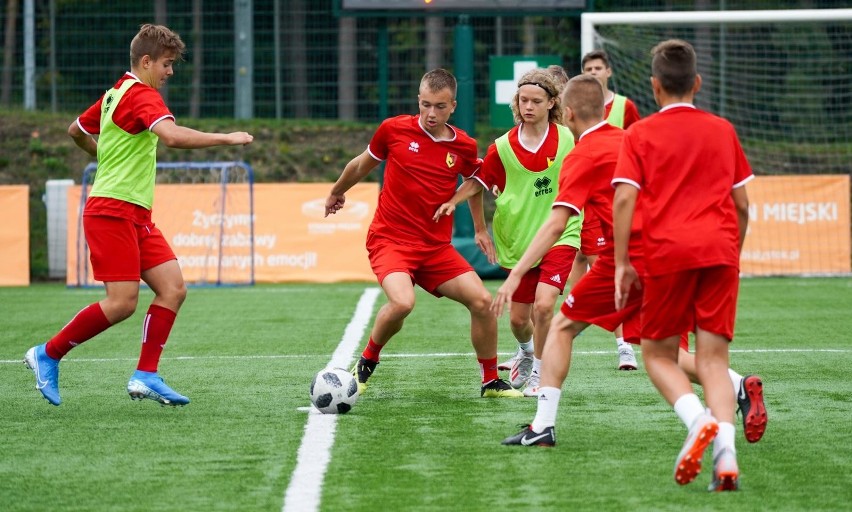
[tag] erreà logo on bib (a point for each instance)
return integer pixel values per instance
(542, 186)
(451, 159)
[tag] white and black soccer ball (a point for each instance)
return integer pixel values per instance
(334, 391)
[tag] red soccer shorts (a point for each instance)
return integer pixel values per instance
(120, 249)
(592, 240)
(428, 267)
(593, 301)
(704, 298)
(554, 269)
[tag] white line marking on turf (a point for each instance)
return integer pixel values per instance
(305, 488)
(248, 357)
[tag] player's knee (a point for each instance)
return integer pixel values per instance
(401, 308)
(173, 295)
(542, 313)
(122, 308)
(480, 304)
(518, 324)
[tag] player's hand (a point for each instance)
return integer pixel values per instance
(504, 295)
(444, 210)
(486, 245)
(240, 138)
(333, 203)
(625, 278)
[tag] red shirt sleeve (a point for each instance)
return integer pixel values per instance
(492, 173)
(139, 109)
(146, 109)
(378, 146)
(575, 184)
(90, 120)
(742, 171)
(627, 170)
(631, 113)
(468, 152)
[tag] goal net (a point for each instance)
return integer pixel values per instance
(783, 79)
(205, 210)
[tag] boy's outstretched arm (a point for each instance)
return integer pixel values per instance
(181, 137)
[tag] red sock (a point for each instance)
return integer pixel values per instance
(488, 369)
(85, 325)
(372, 350)
(155, 331)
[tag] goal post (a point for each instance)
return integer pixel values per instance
(205, 210)
(589, 21)
(782, 78)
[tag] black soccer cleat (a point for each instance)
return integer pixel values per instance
(499, 388)
(362, 371)
(527, 437)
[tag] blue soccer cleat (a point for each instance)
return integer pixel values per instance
(46, 370)
(150, 385)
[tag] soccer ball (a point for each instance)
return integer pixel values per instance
(334, 391)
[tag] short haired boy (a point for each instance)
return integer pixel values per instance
(619, 110)
(124, 243)
(692, 172)
(585, 187)
(425, 156)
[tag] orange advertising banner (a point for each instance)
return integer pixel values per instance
(797, 225)
(294, 242)
(15, 235)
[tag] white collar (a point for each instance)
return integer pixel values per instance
(593, 128)
(676, 105)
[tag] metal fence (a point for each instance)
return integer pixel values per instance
(299, 58)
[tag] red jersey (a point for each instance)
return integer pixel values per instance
(421, 174)
(585, 180)
(685, 162)
(493, 174)
(139, 109)
(631, 113)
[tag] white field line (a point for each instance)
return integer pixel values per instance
(305, 488)
(248, 357)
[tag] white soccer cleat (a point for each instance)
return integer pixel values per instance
(521, 370)
(533, 386)
(508, 363)
(626, 358)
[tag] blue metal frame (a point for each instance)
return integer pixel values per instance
(91, 169)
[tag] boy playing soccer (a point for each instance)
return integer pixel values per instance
(585, 186)
(124, 243)
(425, 157)
(620, 111)
(692, 172)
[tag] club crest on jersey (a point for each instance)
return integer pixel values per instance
(550, 160)
(542, 186)
(451, 160)
(107, 103)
